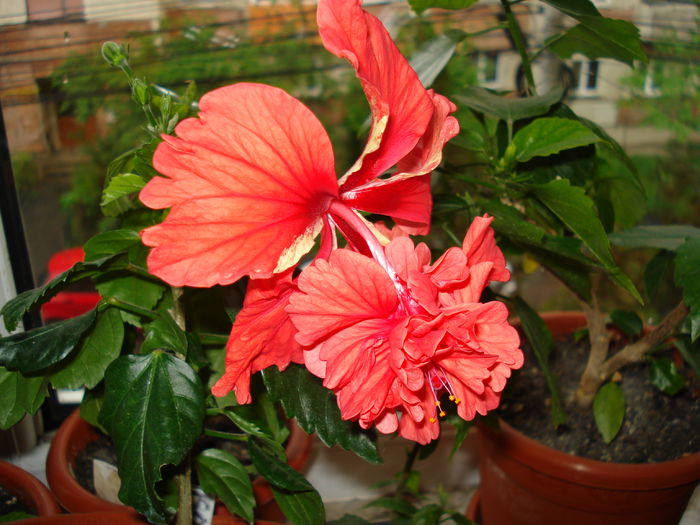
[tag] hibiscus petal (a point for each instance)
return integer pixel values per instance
(480, 246)
(262, 336)
(248, 182)
(334, 294)
(401, 107)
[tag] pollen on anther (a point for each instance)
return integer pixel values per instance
(432, 420)
(442, 413)
(452, 398)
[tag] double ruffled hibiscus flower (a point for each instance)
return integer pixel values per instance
(251, 184)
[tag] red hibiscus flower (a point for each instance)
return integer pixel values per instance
(250, 184)
(389, 337)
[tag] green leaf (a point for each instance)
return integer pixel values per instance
(628, 322)
(45, 346)
(427, 515)
(301, 508)
(689, 351)
(547, 136)
(575, 209)
(508, 221)
(15, 516)
(223, 476)
(432, 56)
(24, 302)
(164, 334)
(303, 396)
(349, 519)
(121, 185)
(447, 203)
(508, 109)
(400, 506)
(274, 470)
(91, 405)
(20, 395)
(153, 410)
(661, 236)
(687, 277)
(462, 428)
(664, 375)
(609, 410)
(421, 5)
(110, 243)
(130, 289)
(574, 8)
(99, 347)
(542, 343)
(656, 270)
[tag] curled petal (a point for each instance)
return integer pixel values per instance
(480, 246)
(401, 107)
(248, 182)
(262, 336)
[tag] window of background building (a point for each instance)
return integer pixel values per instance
(38, 10)
(487, 67)
(585, 76)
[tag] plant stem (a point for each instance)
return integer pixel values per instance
(184, 479)
(632, 353)
(520, 45)
(407, 468)
(225, 435)
(131, 308)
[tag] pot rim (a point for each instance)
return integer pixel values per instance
(30, 489)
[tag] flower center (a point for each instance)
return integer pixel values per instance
(439, 382)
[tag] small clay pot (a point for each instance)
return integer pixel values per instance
(29, 489)
(75, 434)
(526, 483)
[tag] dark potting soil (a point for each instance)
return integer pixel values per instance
(657, 427)
(9, 503)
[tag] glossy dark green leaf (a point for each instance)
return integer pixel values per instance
(687, 277)
(542, 343)
(315, 408)
(276, 471)
(628, 322)
(575, 209)
(153, 411)
(100, 345)
(609, 410)
(20, 395)
(164, 334)
(546, 136)
(432, 56)
(121, 186)
(508, 109)
(621, 187)
(508, 221)
(656, 270)
(223, 476)
(599, 37)
(421, 5)
(131, 289)
(91, 405)
(663, 237)
(664, 375)
(574, 8)
(462, 428)
(14, 309)
(45, 346)
(301, 508)
(443, 203)
(110, 243)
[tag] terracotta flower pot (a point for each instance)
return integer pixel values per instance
(75, 434)
(32, 492)
(524, 482)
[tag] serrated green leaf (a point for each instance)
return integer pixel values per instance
(547, 136)
(164, 334)
(120, 186)
(20, 395)
(575, 209)
(110, 243)
(45, 346)
(301, 508)
(663, 237)
(432, 56)
(664, 375)
(99, 346)
(130, 289)
(609, 410)
(509, 222)
(277, 472)
(249, 426)
(600, 37)
(14, 309)
(574, 8)
(154, 412)
(315, 408)
(421, 5)
(223, 476)
(542, 343)
(629, 322)
(508, 109)
(687, 277)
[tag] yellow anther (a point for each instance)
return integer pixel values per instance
(452, 398)
(442, 413)
(437, 403)
(432, 420)
(457, 401)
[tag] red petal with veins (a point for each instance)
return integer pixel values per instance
(401, 107)
(334, 294)
(480, 246)
(262, 336)
(248, 182)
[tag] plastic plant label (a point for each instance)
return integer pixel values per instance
(202, 507)
(105, 476)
